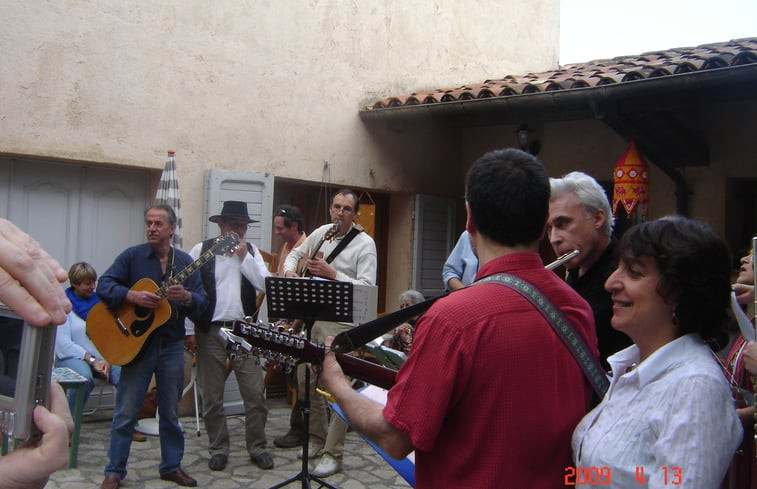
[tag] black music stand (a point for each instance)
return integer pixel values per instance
(308, 300)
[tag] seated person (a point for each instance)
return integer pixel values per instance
(402, 337)
(74, 349)
(83, 278)
(668, 408)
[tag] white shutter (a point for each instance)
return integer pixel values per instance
(254, 188)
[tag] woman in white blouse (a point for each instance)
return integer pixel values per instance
(74, 349)
(668, 418)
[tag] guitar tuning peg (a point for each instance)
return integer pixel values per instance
(248, 319)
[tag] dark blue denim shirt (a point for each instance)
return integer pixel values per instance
(140, 261)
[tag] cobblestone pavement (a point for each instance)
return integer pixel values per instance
(362, 466)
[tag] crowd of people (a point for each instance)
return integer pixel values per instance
(514, 405)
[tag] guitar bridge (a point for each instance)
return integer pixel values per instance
(122, 327)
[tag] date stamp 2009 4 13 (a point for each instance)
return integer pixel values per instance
(602, 476)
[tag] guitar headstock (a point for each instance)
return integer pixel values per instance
(332, 231)
(272, 342)
(284, 346)
(225, 243)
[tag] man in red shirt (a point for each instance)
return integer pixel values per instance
(489, 394)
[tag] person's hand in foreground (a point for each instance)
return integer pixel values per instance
(30, 465)
(30, 278)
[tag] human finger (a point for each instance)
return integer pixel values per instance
(53, 448)
(18, 299)
(59, 405)
(31, 279)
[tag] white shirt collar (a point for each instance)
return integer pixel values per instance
(658, 362)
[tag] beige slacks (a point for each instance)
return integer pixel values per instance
(322, 432)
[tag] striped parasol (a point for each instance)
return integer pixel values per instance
(168, 193)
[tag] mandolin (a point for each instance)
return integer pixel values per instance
(120, 334)
(289, 349)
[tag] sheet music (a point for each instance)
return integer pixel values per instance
(364, 303)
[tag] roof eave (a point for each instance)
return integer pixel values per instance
(569, 104)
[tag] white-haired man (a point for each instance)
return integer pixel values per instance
(580, 219)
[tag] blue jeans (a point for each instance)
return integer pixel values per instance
(82, 368)
(165, 359)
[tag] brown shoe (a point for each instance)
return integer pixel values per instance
(111, 481)
(180, 477)
(137, 436)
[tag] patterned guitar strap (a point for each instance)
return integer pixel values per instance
(561, 325)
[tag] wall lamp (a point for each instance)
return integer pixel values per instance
(523, 132)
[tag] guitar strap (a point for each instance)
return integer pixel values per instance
(562, 327)
(343, 244)
(168, 274)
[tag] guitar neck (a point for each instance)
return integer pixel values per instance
(290, 349)
(367, 371)
(221, 245)
(328, 236)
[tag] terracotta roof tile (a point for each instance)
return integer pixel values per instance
(653, 64)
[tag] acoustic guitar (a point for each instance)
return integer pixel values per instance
(328, 236)
(289, 349)
(120, 334)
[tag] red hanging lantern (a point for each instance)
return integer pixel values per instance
(631, 178)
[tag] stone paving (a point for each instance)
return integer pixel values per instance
(362, 466)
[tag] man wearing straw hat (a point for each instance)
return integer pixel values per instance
(232, 283)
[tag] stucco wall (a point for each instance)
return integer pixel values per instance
(262, 86)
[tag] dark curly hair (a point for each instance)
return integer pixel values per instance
(695, 265)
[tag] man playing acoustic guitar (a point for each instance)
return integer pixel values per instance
(162, 354)
(347, 255)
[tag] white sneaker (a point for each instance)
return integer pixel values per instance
(313, 450)
(327, 466)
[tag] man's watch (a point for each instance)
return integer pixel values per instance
(91, 360)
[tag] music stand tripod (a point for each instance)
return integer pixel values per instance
(308, 300)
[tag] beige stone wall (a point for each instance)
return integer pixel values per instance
(262, 86)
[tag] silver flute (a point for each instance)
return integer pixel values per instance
(567, 256)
